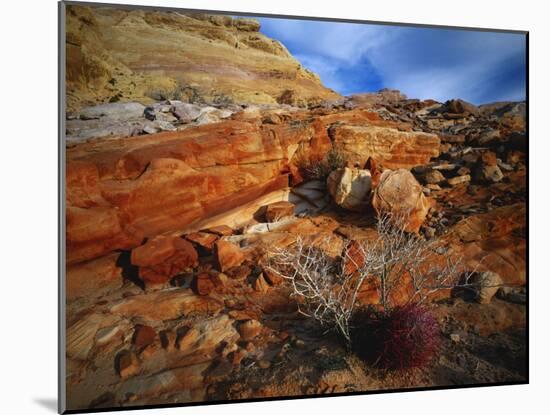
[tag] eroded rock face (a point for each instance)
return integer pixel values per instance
(165, 305)
(391, 148)
(350, 188)
(249, 66)
(162, 257)
(399, 194)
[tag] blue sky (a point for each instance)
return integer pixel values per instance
(479, 67)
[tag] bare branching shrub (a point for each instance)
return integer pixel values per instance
(328, 288)
(320, 169)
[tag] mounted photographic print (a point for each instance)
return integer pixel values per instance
(256, 207)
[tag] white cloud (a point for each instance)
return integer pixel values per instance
(422, 63)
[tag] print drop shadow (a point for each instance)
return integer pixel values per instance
(129, 272)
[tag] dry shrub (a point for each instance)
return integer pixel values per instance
(327, 289)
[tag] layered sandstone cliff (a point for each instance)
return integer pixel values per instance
(195, 57)
(122, 191)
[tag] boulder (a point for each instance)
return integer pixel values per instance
(162, 257)
(227, 255)
(185, 112)
(350, 188)
(433, 177)
(398, 193)
(249, 329)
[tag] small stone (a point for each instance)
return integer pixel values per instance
(433, 187)
(299, 343)
(455, 337)
(239, 273)
(433, 177)
(237, 356)
(106, 335)
(249, 329)
(260, 284)
(168, 340)
(463, 171)
(429, 232)
(227, 255)
(143, 336)
(264, 364)
(272, 277)
(126, 363)
(455, 181)
(203, 285)
(204, 240)
(491, 174)
(221, 230)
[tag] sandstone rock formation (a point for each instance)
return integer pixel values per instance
(122, 191)
(249, 67)
(390, 147)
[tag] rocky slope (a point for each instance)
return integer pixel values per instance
(194, 57)
(168, 298)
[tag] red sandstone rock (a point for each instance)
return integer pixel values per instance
(272, 277)
(202, 284)
(221, 230)
(489, 158)
(122, 191)
(227, 255)
(239, 273)
(143, 336)
(204, 240)
(375, 172)
(162, 257)
(260, 284)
